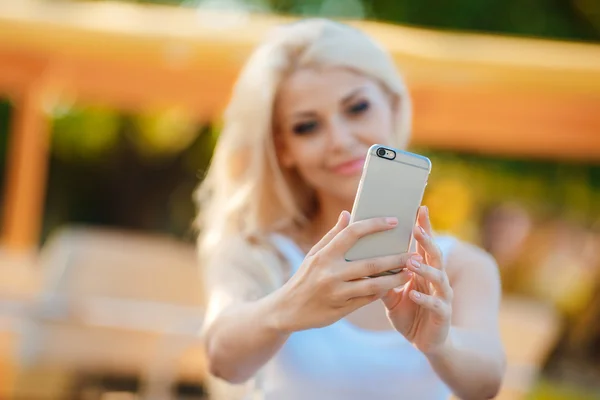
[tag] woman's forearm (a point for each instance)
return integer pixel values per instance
(243, 338)
(471, 364)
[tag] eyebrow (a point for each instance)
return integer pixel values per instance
(352, 94)
(345, 100)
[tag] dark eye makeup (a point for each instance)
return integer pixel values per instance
(359, 107)
(310, 126)
(303, 128)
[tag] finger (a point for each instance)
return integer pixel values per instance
(376, 286)
(358, 302)
(434, 304)
(342, 223)
(420, 248)
(433, 253)
(375, 266)
(351, 233)
(424, 220)
(437, 277)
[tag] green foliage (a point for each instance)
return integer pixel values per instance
(553, 390)
(140, 176)
(163, 133)
(5, 112)
(544, 18)
(5, 120)
(559, 19)
(85, 133)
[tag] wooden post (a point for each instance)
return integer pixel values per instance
(27, 161)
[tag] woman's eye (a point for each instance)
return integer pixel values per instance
(305, 127)
(359, 108)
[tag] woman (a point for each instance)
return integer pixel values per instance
(307, 106)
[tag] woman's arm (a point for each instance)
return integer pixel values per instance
(243, 337)
(244, 329)
(472, 361)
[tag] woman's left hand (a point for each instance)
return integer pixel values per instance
(422, 309)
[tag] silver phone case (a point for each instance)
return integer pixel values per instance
(389, 188)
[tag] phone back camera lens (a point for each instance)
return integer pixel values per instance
(381, 152)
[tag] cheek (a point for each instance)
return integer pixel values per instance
(377, 127)
(307, 152)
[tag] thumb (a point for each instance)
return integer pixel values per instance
(342, 222)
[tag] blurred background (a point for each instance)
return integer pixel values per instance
(109, 112)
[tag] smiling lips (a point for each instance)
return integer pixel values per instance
(351, 167)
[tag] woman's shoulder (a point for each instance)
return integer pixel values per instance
(242, 248)
(252, 261)
(463, 257)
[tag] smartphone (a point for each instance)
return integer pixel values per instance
(392, 185)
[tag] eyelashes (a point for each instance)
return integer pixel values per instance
(310, 126)
(359, 107)
(305, 127)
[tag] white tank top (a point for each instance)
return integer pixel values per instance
(344, 362)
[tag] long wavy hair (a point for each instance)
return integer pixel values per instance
(245, 194)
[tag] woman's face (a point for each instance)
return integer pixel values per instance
(326, 121)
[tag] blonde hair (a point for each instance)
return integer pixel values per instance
(245, 195)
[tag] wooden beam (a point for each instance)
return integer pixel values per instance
(18, 69)
(504, 121)
(179, 36)
(27, 159)
(483, 117)
(138, 87)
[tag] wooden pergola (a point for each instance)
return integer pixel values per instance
(475, 93)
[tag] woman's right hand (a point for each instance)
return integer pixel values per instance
(327, 287)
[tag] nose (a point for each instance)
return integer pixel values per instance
(340, 135)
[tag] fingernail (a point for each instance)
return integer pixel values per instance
(340, 217)
(416, 294)
(422, 230)
(343, 215)
(426, 211)
(415, 263)
(392, 221)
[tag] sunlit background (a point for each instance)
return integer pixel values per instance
(109, 112)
